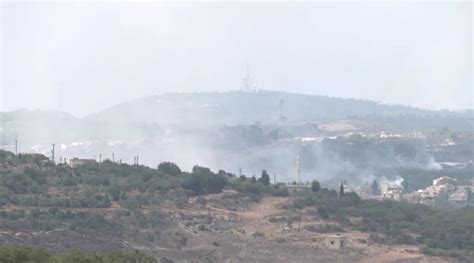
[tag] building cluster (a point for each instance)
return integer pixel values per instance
(392, 191)
(444, 192)
(74, 162)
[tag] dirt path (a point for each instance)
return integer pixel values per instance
(268, 206)
(389, 256)
(256, 217)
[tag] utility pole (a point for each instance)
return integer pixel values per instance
(16, 147)
(113, 157)
(52, 153)
(100, 157)
(298, 169)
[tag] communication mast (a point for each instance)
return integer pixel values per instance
(249, 83)
(52, 152)
(298, 169)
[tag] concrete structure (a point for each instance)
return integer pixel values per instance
(443, 180)
(460, 197)
(293, 188)
(444, 193)
(336, 242)
(74, 162)
(392, 191)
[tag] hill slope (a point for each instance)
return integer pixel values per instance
(231, 108)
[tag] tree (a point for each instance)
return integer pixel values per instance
(323, 213)
(341, 189)
(405, 185)
(315, 186)
(375, 188)
(114, 192)
(168, 168)
(253, 180)
(204, 182)
(264, 178)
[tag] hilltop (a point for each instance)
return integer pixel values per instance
(233, 108)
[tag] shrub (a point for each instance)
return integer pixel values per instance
(168, 168)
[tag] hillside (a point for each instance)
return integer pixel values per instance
(203, 216)
(239, 130)
(233, 108)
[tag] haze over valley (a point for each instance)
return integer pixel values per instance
(161, 131)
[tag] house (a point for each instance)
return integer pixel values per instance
(74, 162)
(336, 242)
(392, 191)
(443, 180)
(460, 197)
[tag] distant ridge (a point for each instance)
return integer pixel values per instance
(237, 107)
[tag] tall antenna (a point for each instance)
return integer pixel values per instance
(16, 147)
(249, 84)
(113, 157)
(52, 153)
(298, 169)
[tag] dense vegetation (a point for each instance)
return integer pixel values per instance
(443, 232)
(29, 254)
(46, 196)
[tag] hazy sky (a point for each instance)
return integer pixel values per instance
(100, 54)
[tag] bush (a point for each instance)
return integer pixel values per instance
(315, 186)
(203, 181)
(168, 168)
(23, 254)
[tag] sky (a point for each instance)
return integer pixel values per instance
(84, 57)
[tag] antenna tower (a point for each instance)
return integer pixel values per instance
(52, 153)
(298, 169)
(249, 84)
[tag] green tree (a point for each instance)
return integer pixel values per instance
(114, 192)
(264, 178)
(315, 186)
(169, 168)
(375, 188)
(253, 180)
